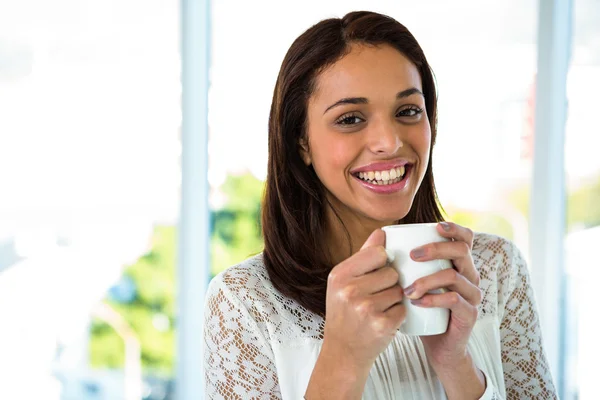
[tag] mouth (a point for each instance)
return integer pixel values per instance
(385, 181)
(384, 177)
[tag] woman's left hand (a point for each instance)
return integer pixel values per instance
(462, 298)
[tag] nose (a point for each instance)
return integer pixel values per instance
(384, 138)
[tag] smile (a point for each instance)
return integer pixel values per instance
(386, 177)
(384, 181)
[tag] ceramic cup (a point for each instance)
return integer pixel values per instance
(399, 241)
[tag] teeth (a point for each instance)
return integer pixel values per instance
(387, 177)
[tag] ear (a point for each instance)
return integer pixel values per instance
(305, 151)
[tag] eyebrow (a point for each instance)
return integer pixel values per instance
(364, 100)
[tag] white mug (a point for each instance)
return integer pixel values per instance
(399, 241)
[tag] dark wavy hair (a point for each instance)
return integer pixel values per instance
(293, 210)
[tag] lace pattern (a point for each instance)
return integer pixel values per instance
(238, 362)
(245, 315)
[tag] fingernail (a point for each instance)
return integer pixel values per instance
(417, 302)
(390, 256)
(445, 226)
(409, 290)
(418, 252)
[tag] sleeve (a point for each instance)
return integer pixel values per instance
(526, 371)
(491, 392)
(238, 362)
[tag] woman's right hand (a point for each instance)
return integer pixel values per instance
(363, 310)
(363, 313)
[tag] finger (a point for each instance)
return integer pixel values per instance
(376, 238)
(441, 251)
(392, 318)
(454, 231)
(380, 302)
(446, 279)
(378, 280)
(369, 258)
(458, 252)
(366, 260)
(453, 301)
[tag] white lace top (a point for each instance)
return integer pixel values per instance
(262, 345)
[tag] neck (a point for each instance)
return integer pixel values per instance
(356, 226)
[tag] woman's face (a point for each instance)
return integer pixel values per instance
(368, 133)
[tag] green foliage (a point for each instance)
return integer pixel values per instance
(236, 230)
(235, 236)
(584, 206)
(106, 348)
(583, 211)
(154, 277)
(482, 222)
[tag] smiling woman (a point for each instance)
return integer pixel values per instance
(351, 133)
(383, 127)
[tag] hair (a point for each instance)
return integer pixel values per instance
(293, 209)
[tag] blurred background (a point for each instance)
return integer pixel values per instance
(90, 168)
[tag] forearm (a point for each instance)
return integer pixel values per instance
(336, 376)
(462, 381)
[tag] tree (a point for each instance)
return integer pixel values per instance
(582, 204)
(236, 229)
(145, 295)
(150, 311)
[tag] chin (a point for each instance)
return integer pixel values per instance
(385, 210)
(387, 218)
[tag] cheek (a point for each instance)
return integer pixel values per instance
(426, 144)
(423, 148)
(333, 155)
(338, 157)
(423, 142)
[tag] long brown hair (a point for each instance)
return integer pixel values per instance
(293, 211)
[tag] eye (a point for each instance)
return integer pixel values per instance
(349, 120)
(411, 112)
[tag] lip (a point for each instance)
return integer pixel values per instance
(387, 189)
(381, 166)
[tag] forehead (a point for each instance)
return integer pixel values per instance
(367, 71)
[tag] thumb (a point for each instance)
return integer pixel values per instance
(377, 238)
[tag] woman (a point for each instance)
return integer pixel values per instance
(351, 129)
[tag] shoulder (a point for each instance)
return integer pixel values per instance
(496, 254)
(241, 281)
(243, 292)
(501, 266)
(248, 288)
